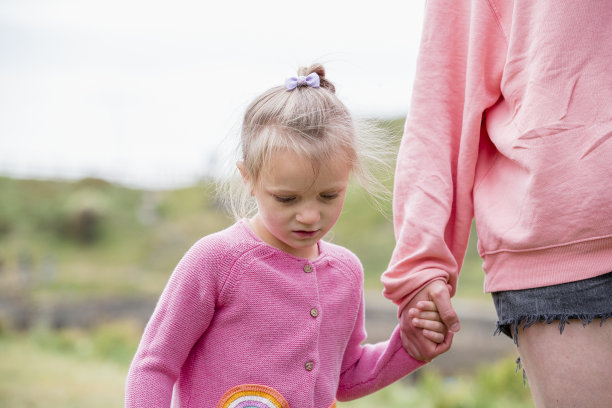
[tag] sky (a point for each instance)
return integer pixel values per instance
(150, 94)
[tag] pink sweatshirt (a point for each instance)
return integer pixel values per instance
(241, 322)
(510, 123)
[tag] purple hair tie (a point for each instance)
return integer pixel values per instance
(311, 80)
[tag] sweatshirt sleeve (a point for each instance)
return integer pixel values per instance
(181, 316)
(370, 367)
(459, 70)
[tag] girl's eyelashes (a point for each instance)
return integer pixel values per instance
(290, 199)
(329, 196)
(284, 199)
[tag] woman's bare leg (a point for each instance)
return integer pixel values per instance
(573, 369)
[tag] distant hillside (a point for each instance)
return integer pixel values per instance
(90, 237)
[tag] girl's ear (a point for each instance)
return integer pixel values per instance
(243, 172)
(246, 179)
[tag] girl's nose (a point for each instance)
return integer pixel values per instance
(308, 215)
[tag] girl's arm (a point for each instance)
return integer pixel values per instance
(370, 367)
(181, 316)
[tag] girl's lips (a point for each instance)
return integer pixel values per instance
(306, 234)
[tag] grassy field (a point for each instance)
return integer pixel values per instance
(65, 369)
(73, 368)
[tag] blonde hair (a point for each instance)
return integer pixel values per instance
(313, 123)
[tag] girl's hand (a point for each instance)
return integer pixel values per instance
(426, 317)
(413, 339)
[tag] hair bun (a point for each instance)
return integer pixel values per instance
(318, 68)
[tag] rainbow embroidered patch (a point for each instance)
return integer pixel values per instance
(252, 396)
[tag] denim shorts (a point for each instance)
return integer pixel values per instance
(583, 301)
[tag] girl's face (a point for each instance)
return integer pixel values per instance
(298, 204)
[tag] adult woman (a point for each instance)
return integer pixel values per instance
(510, 123)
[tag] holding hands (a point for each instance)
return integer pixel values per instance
(428, 322)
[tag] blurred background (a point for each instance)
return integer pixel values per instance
(117, 118)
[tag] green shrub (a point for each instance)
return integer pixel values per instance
(115, 341)
(492, 386)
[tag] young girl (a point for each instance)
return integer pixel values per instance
(265, 313)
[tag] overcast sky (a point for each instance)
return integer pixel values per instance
(144, 92)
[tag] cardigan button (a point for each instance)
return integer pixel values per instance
(309, 366)
(307, 268)
(314, 312)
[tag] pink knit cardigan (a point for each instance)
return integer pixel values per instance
(242, 322)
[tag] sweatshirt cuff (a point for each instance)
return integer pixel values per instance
(403, 302)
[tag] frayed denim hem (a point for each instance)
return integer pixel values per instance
(510, 327)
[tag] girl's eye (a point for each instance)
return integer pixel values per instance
(329, 196)
(284, 199)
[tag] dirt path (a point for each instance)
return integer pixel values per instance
(474, 345)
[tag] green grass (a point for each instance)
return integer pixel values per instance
(463, 392)
(492, 386)
(74, 368)
(34, 375)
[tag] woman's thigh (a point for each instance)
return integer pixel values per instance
(573, 369)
